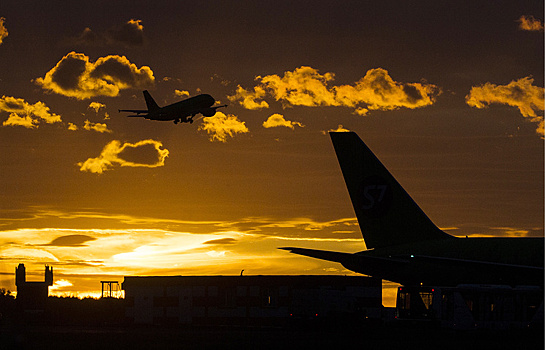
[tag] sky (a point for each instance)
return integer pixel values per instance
(449, 95)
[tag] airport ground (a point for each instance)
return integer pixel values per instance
(372, 337)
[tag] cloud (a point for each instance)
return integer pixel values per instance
(129, 34)
(96, 106)
(72, 127)
(110, 156)
(305, 86)
(276, 120)
(88, 37)
(181, 93)
(75, 76)
(221, 241)
(71, 241)
(98, 127)
(59, 284)
(302, 87)
(3, 30)
(221, 126)
(340, 128)
(247, 99)
(15, 120)
(378, 91)
(529, 23)
(529, 99)
(25, 114)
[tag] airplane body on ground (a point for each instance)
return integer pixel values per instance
(183, 111)
(405, 246)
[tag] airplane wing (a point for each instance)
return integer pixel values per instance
(137, 111)
(474, 263)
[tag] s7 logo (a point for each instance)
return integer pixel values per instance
(374, 195)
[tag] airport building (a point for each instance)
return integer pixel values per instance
(472, 306)
(251, 300)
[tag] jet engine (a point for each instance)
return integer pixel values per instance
(208, 112)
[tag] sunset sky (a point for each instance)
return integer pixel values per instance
(449, 95)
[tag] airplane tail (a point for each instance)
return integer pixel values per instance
(150, 102)
(387, 215)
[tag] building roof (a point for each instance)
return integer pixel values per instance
(272, 280)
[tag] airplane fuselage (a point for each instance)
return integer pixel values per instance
(459, 261)
(184, 109)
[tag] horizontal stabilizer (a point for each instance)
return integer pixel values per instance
(320, 254)
(361, 263)
(138, 111)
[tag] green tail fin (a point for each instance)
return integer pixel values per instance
(387, 215)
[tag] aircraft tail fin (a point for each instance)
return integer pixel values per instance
(386, 213)
(150, 102)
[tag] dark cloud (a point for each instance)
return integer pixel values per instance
(119, 72)
(130, 34)
(222, 241)
(68, 71)
(412, 93)
(88, 37)
(71, 241)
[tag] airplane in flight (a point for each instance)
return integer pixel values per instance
(183, 111)
(405, 246)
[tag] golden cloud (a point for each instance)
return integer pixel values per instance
(221, 126)
(248, 99)
(75, 76)
(96, 106)
(181, 93)
(530, 23)
(529, 99)
(15, 120)
(302, 87)
(110, 156)
(378, 91)
(25, 114)
(3, 30)
(340, 128)
(98, 127)
(276, 120)
(305, 86)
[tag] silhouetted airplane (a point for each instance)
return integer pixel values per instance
(182, 111)
(403, 244)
